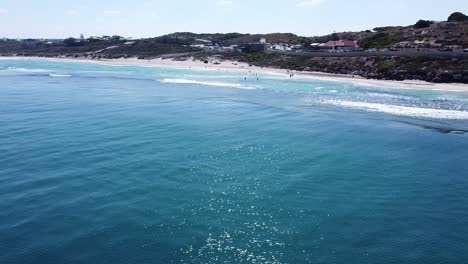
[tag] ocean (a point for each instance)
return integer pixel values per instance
(122, 164)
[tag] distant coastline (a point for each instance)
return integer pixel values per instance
(228, 65)
(428, 51)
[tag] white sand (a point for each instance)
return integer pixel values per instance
(244, 67)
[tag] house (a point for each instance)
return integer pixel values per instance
(201, 46)
(340, 45)
(297, 48)
(280, 47)
(94, 39)
(230, 47)
(206, 41)
(315, 45)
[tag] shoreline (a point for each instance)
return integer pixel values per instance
(192, 64)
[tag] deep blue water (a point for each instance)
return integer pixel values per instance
(103, 164)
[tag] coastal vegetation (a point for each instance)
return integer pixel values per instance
(457, 17)
(380, 40)
(386, 65)
(423, 24)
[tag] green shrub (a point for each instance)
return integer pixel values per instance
(380, 40)
(386, 65)
(457, 17)
(423, 24)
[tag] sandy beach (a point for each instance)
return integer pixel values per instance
(244, 67)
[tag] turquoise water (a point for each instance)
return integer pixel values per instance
(103, 164)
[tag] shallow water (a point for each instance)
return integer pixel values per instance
(105, 164)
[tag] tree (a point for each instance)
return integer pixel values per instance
(423, 24)
(72, 42)
(457, 17)
(335, 36)
(69, 42)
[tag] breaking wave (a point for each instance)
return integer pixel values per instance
(219, 84)
(14, 69)
(401, 110)
(35, 72)
(60, 75)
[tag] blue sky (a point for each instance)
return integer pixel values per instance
(145, 18)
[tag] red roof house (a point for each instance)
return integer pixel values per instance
(341, 44)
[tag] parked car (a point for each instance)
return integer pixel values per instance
(445, 49)
(336, 50)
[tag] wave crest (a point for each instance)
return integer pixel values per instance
(401, 110)
(60, 75)
(14, 69)
(219, 84)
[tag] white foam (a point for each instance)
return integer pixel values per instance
(401, 110)
(211, 76)
(60, 75)
(219, 84)
(25, 70)
(386, 95)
